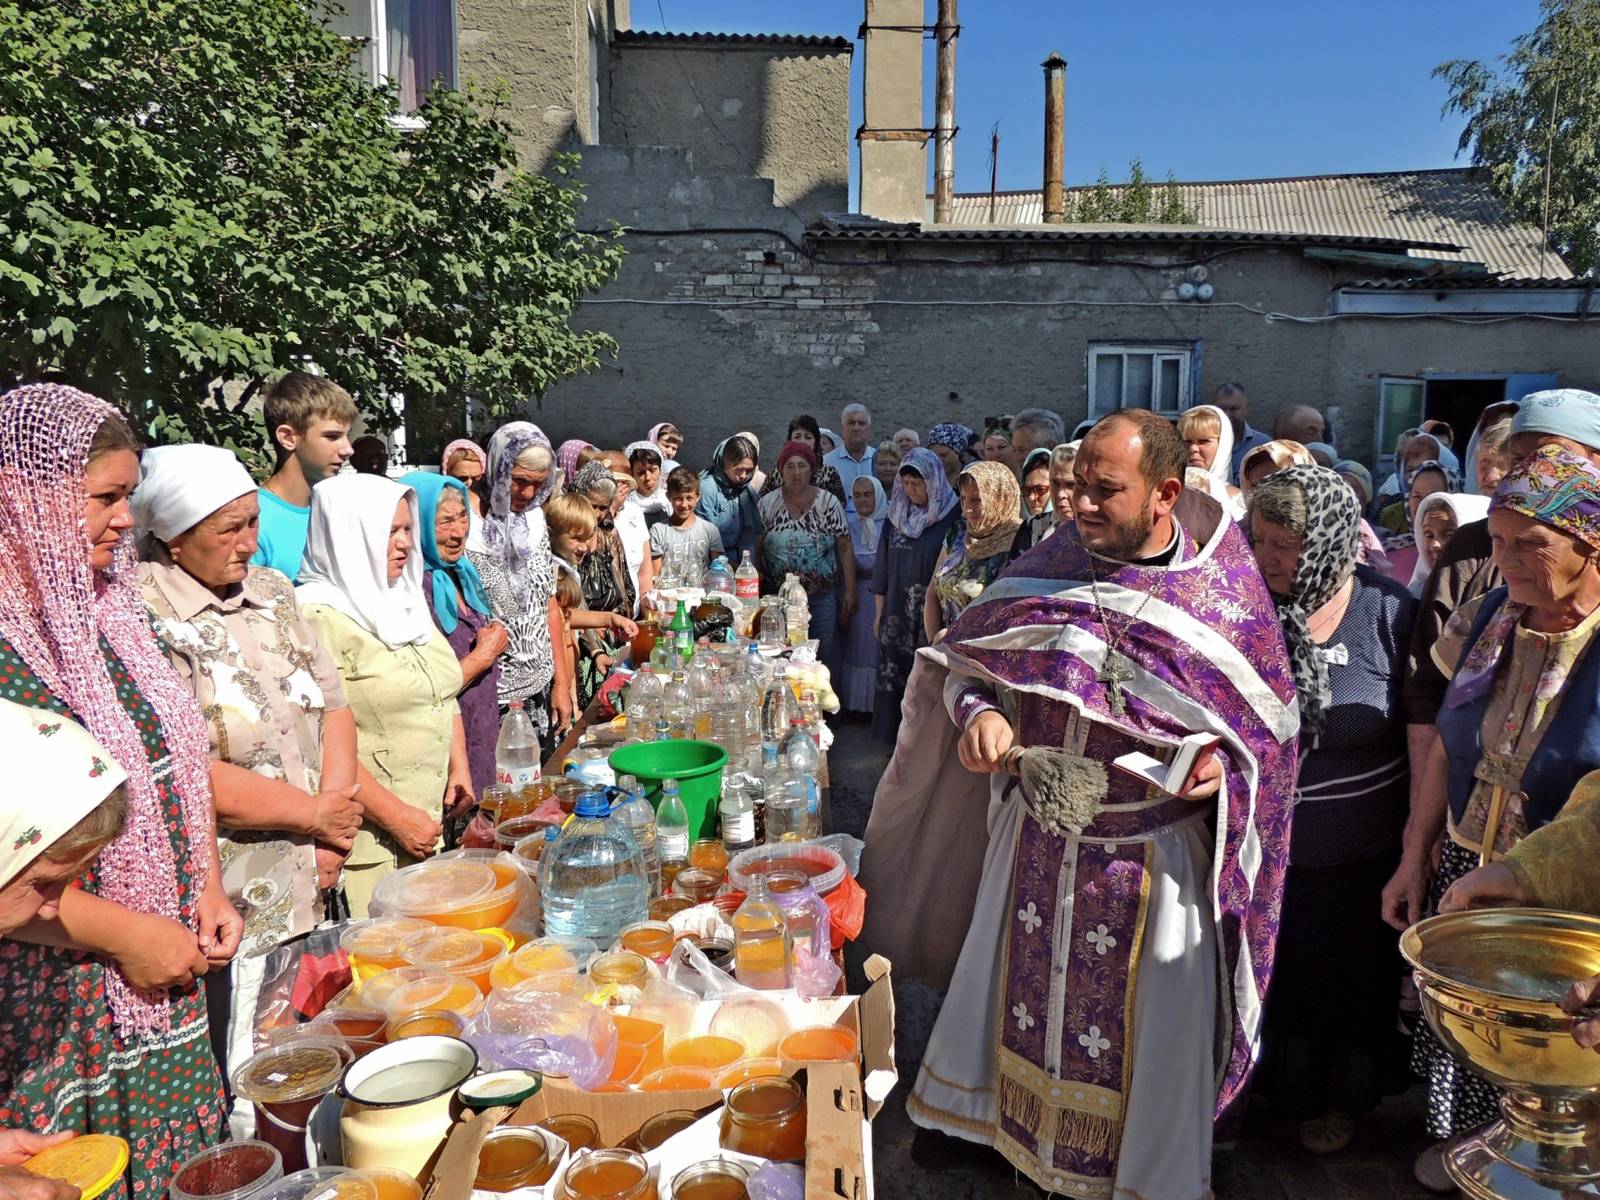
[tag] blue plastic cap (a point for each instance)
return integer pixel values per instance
(592, 804)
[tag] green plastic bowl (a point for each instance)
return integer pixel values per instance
(697, 766)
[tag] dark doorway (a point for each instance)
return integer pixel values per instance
(1459, 401)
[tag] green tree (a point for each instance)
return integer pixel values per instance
(1133, 203)
(1533, 119)
(196, 195)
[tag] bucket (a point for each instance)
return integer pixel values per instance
(397, 1102)
(697, 766)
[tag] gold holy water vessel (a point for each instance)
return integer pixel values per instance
(1490, 980)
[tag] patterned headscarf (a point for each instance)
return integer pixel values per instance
(54, 610)
(1327, 557)
(948, 433)
(1281, 452)
(1556, 488)
(567, 455)
(430, 489)
(468, 445)
(517, 538)
(911, 519)
(1000, 509)
(590, 476)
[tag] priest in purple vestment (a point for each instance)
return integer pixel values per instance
(1107, 1003)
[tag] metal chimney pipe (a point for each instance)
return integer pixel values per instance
(944, 131)
(1055, 138)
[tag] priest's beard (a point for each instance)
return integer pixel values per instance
(1124, 542)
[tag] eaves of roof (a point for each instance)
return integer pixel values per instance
(1112, 233)
(646, 37)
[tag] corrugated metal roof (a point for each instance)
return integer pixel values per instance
(1455, 206)
(1565, 284)
(651, 37)
(885, 232)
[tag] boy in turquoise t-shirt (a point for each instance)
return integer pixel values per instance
(308, 419)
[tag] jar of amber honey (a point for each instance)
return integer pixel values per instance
(514, 1157)
(607, 1175)
(659, 1128)
(716, 1179)
(766, 1118)
(575, 1129)
(649, 939)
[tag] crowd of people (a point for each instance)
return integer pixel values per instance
(251, 703)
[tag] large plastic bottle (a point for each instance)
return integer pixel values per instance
(635, 811)
(704, 693)
(737, 812)
(763, 956)
(747, 582)
(643, 704)
(672, 833)
(803, 762)
(785, 799)
(592, 879)
(677, 707)
(777, 707)
(516, 750)
(719, 578)
(797, 609)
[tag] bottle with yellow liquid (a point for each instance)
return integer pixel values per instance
(763, 952)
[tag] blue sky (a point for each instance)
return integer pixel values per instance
(1225, 89)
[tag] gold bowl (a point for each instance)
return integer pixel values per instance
(1490, 981)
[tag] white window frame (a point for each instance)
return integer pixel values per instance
(378, 22)
(1384, 454)
(1159, 353)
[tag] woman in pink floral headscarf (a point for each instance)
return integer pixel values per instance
(102, 1019)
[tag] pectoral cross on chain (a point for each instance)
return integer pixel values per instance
(1113, 673)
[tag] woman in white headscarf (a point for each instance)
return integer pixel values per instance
(361, 590)
(1439, 516)
(857, 675)
(283, 741)
(1208, 433)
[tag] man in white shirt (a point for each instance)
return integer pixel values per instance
(855, 457)
(1230, 398)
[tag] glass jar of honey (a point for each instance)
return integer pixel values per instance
(709, 854)
(644, 641)
(650, 939)
(577, 1130)
(716, 1179)
(767, 1118)
(664, 908)
(621, 967)
(698, 884)
(607, 1175)
(513, 1157)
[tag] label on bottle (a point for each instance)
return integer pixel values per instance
(747, 588)
(672, 847)
(519, 777)
(738, 827)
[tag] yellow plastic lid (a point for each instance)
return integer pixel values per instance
(91, 1163)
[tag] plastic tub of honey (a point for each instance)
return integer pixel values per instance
(421, 990)
(285, 1082)
(321, 1183)
(706, 1050)
(750, 1068)
(649, 1037)
(529, 851)
(678, 1079)
(755, 1022)
(231, 1171)
(467, 889)
(514, 1157)
(824, 865)
(363, 1029)
(575, 1129)
(607, 1175)
(651, 939)
(658, 1129)
(629, 1065)
(819, 1043)
(698, 884)
(392, 1184)
(375, 945)
(766, 1118)
(430, 1022)
(468, 953)
(716, 1179)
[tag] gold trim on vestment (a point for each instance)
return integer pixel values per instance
(1128, 1032)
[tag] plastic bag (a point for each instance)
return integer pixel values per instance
(691, 970)
(814, 976)
(847, 905)
(669, 1005)
(525, 1027)
(777, 1181)
(301, 978)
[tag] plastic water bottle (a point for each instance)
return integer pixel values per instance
(747, 582)
(720, 577)
(633, 810)
(672, 833)
(777, 707)
(643, 704)
(786, 800)
(802, 762)
(796, 609)
(677, 707)
(704, 692)
(592, 879)
(516, 750)
(737, 812)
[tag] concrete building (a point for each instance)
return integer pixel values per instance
(749, 294)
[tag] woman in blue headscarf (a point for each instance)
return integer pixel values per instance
(459, 603)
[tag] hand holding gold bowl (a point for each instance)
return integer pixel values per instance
(1492, 982)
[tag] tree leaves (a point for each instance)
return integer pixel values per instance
(1539, 108)
(203, 190)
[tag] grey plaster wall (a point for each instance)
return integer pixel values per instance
(720, 332)
(773, 112)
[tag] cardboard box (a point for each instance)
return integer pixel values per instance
(840, 1100)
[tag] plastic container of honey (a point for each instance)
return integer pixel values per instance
(819, 1043)
(514, 1157)
(821, 863)
(607, 1175)
(419, 990)
(363, 1029)
(650, 939)
(678, 1079)
(321, 1183)
(766, 1117)
(285, 1082)
(706, 1050)
(716, 1179)
(748, 1069)
(542, 956)
(466, 889)
(230, 1171)
(430, 1022)
(375, 945)
(468, 953)
(647, 1037)
(392, 1184)
(754, 1022)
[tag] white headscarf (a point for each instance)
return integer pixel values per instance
(1222, 463)
(1466, 509)
(865, 533)
(656, 501)
(57, 774)
(346, 565)
(180, 486)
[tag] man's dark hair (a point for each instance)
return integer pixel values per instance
(1229, 389)
(1162, 456)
